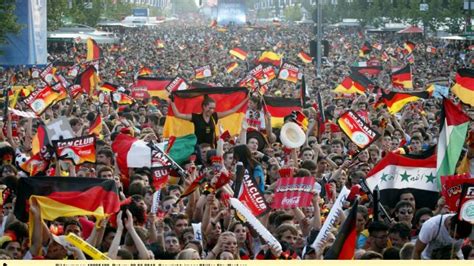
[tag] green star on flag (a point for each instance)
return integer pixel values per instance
(384, 177)
(430, 178)
(405, 176)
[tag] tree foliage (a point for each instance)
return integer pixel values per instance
(7, 20)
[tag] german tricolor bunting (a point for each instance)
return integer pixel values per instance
(395, 101)
(93, 50)
(67, 197)
(270, 58)
(289, 72)
(280, 107)
(239, 53)
(402, 78)
(354, 83)
(189, 102)
(464, 87)
(305, 57)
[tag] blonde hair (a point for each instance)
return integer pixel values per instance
(186, 254)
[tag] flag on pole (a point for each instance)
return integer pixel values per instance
(344, 246)
(455, 124)
(395, 101)
(305, 57)
(93, 50)
(415, 173)
(354, 83)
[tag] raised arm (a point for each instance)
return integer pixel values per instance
(178, 114)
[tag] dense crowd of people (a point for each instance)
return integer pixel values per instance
(203, 225)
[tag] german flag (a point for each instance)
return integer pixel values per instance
(40, 139)
(93, 50)
(120, 73)
(88, 80)
(279, 108)
(96, 126)
(354, 83)
(144, 71)
(365, 49)
(189, 101)
(239, 53)
(464, 87)
(160, 44)
(409, 46)
(344, 246)
(67, 197)
(305, 57)
(231, 66)
(156, 86)
(122, 98)
(108, 87)
(396, 100)
(270, 58)
(402, 78)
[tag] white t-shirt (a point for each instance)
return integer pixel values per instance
(255, 119)
(429, 235)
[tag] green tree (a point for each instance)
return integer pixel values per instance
(293, 13)
(184, 6)
(55, 13)
(7, 20)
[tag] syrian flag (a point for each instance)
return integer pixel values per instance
(451, 139)
(415, 173)
(344, 246)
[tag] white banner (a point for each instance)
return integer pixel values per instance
(331, 219)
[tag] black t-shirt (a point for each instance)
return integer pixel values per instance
(205, 132)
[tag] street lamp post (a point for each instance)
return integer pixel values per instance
(319, 30)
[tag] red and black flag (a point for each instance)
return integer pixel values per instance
(402, 78)
(344, 246)
(395, 100)
(67, 196)
(280, 107)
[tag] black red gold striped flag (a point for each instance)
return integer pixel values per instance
(189, 101)
(88, 80)
(67, 197)
(354, 83)
(344, 246)
(402, 78)
(280, 107)
(93, 50)
(396, 100)
(464, 87)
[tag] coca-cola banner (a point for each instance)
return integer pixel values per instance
(292, 192)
